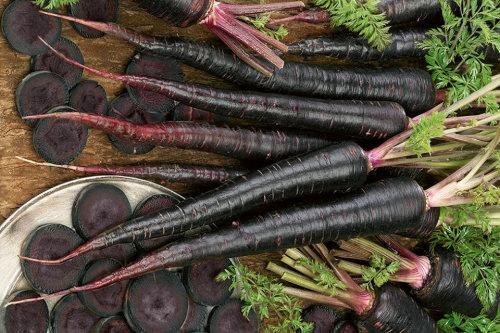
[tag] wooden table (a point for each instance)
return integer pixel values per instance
(19, 181)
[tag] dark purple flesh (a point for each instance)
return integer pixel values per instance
(122, 107)
(94, 10)
(22, 23)
(40, 92)
(152, 205)
(59, 141)
(158, 67)
(99, 207)
(89, 97)
(28, 317)
(344, 327)
(196, 318)
(114, 324)
(71, 316)
(107, 301)
(227, 318)
(324, 318)
(201, 285)
(125, 253)
(52, 241)
(156, 303)
(48, 61)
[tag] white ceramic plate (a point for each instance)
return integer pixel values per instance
(54, 206)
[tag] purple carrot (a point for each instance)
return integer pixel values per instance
(342, 117)
(238, 143)
(192, 174)
(411, 87)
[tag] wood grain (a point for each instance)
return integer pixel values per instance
(19, 182)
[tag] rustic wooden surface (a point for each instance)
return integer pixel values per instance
(19, 181)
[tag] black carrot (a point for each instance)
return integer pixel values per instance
(241, 143)
(336, 167)
(411, 87)
(192, 174)
(404, 43)
(340, 117)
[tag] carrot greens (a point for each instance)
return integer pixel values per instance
(266, 296)
(456, 50)
(457, 322)
(260, 22)
(50, 4)
(363, 17)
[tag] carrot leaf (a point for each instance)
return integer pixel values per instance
(51, 4)
(260, 23)
(456, 50)
(456, 322)
(428, 128)
(379, 272)
(265, 295)
(362, 17)
(323, 275)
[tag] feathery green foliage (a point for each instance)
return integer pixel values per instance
(478, 247)
(51, 4)
(455, 51)
(323, 275)
(456, 322)
(260, 23)
(266, 296)
(362, 17)
(379, 272)
(428, 128)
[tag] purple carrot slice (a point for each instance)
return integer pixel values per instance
(28, 317)
(59, 141)
(69, 315)
(95, 10)
(51, 241)
(22, 24)
(201, 285)
(196, 318)
(156, 302)
(89, 97)
(99, 207)
(107, 301)
(123, 108)
(48, 61)
(115, 324)
(158, 67)
(228, 318)
(39, 92)
(125, 253)
(152, 205)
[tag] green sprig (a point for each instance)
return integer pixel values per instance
(51, 4)
(428, 128)
(456, 322)
(260, 23)
(265, 295)
(379, 272)
(455, 51)
(324, 276)
(362, 17)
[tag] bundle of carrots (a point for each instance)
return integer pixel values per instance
(332, 183)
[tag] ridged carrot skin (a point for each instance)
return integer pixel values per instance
(411, 87)
(379, 208)
(404, 43)
(445, 289)
(395, 311)
(238, 143)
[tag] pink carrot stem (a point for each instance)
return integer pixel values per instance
(236, 9)
(309, 16)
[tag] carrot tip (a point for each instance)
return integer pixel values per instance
(42, 261)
